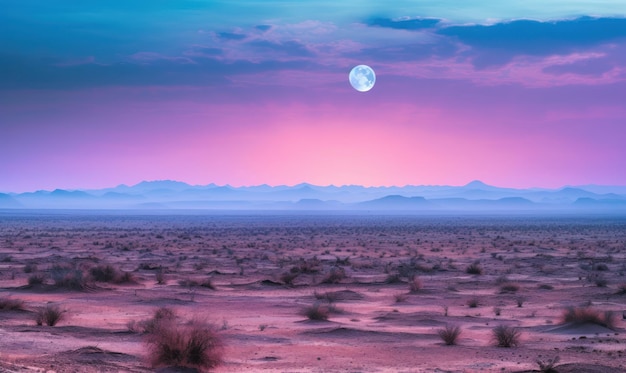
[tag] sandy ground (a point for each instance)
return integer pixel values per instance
(375, 325)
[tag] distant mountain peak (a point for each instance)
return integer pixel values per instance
(477, 184)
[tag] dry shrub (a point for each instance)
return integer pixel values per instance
(473, 302)
(509, 287)
(69, 278)
(317, 312)
(36, 279)
(125, 278)
(287, 278)
(449, 334)
(584, 315)
(547, 366)
(474, 269)
(506, 336)
(50, 315)
(9, 304)
(103, 273)
(195, 344)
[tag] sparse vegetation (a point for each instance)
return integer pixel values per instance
(449, 334)
(547, 366)
(506, 336)
(10, 304)
(509, 288)
(473, 302)
(49, 315)
(194, 344)
(474, 269)
(317, 312)
(36, 279)
(582, 315)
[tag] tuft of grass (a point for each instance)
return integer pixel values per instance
(473, 302)
(9, 304)
(547, 366)
(474, 269)
(509, 287)
(194, 345)
(50, 315)
(583, 315)
(449, 334)
(506, 336)
(621, 289)
(546, 287)
(36, 279)
(103, 273)
(317, 312)
(125, 278)
(69, 278)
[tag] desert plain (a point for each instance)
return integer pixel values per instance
(315, 292)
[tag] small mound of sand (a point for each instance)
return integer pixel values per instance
(579, 328)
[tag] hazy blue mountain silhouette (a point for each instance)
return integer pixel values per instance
(475, 195)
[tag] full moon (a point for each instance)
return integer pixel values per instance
(362, 78)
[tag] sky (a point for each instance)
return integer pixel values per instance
(96, 93)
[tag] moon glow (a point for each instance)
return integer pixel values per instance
(362, 78)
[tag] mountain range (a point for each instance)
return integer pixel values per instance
(475, 196)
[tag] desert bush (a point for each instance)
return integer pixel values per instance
(449, 334)
(194, 345)
(393, 278)
(30, 268)
(473, 302)
(103, 273)
(509, 288)
(582, 315)
(547, 366)
(520, 301)
(546, 287)
(506, 336)
(621, 289)
(335, 275)
(36, 279)
(317, 312)
(125, 278)
(68, 278)
(474, 269)
(49, 315)
(415, 284)
(9, 304)
(288, 277)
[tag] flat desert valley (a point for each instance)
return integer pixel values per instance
(314, 292)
